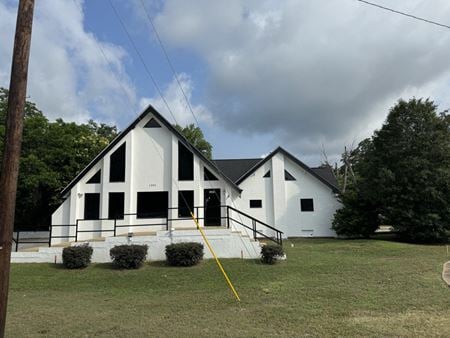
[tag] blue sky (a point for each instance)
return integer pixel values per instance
(302, 74)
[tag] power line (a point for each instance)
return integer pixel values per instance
(160, 92)
(404, 14)
(141, 58)
(175, 74)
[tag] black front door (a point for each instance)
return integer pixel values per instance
(212, 207)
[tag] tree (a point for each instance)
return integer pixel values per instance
(403, 176)
(195, 136)
(52, 154)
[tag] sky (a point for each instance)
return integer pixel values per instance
(307, 75)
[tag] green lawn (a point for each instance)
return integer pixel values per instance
(325, 288)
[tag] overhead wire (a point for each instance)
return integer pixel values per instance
(404, 14)
(188, 143)
(176, 76)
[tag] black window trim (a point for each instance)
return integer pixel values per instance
(122, 215)
(258, 204)
(98, 211)
(302, 209)
(124, 169)
(140, 215)
(189, 207)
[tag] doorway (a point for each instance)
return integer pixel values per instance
(212, 207)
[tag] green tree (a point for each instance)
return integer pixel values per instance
(403, 177)
(195, 136)
(52, 154)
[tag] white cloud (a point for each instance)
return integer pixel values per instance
(313, 72)
(68, 76)
(177, 103)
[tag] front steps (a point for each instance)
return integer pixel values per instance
(226, 243)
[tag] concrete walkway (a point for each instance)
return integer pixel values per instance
(446, 273)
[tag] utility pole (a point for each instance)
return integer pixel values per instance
(13, 142)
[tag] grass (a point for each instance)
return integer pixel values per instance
(325, 288)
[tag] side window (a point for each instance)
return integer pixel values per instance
(95, 178)
(288, 176)
(117, 165)
(92, 206)
(267, 174)
(307, 204)
(152, 204)
(152, 123)
(208, 176)
(185, 203)
(185, 163)
(116, 205)
(255, 204)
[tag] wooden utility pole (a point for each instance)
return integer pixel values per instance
(13, 142)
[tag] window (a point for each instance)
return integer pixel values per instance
(116, 205)
(255, 204)
(92, 206)
(307, 204)
(185, 163)
(185, 203)
(208, 176)
(95, 178)
(117, 165)
(288, 176)
(152, 204)
(267, 174)
(152, 123)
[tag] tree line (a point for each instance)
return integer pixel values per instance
(401, 177)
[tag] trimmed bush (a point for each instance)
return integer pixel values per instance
(270, 253)
(184, 254)
(77, 257)
(128, 256)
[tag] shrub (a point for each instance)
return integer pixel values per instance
(184, 254)
(128, 256)
(270, 253)
(77, 257)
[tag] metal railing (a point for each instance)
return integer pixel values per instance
(19, 239)
(254, 226)
(226, 213)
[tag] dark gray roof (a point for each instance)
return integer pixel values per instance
(239, 169)
(236, 168)
(327, 174)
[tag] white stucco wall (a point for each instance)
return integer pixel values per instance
(151, 165)
(281, 199)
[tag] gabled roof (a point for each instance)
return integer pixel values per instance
(235, 168)
(325, 175)
(168, 125)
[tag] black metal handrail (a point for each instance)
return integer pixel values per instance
(278, 233)
(117, 224)
(38, 240)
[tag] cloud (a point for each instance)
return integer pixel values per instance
(72, 74)
(311, 72)
(177, 103)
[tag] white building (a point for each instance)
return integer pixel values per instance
(149, 179)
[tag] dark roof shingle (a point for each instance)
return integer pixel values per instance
(236, 168)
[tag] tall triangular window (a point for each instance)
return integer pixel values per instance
(267, 174)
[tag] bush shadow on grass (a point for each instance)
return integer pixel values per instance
(394, 237)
